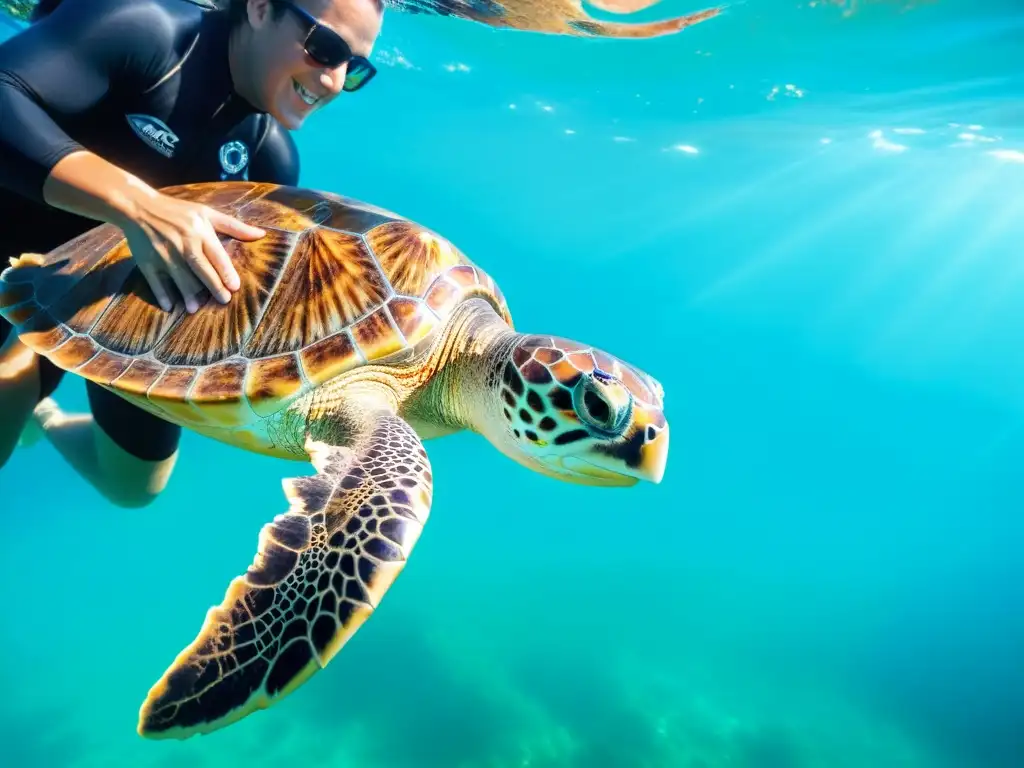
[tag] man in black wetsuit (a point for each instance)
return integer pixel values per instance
(102, 102)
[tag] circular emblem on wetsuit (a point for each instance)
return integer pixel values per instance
(234, 156)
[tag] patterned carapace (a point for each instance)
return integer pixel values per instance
(335, 284)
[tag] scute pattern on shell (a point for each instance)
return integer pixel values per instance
(336, 283)
(554, 359)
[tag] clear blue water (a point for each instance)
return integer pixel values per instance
(807, 223)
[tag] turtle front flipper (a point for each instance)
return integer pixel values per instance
(320, 570)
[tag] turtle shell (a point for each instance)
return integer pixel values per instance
(333, 285)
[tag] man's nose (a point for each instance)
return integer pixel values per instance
(334, 79)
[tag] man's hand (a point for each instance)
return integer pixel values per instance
(173, 241)
(175, 244)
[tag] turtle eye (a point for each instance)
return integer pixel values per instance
(601, 403)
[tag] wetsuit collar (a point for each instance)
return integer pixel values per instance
(216, 30)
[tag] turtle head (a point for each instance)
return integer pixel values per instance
(579, 414)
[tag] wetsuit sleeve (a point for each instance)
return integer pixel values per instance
(277, 160)
(64, 65)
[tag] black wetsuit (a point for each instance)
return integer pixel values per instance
(144, 84)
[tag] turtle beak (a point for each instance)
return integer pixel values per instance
(640, 456)
(644, 453)
(654, 456)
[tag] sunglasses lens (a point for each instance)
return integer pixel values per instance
(327, 48)
(359, 73)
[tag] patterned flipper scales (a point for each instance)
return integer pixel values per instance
(320, 571)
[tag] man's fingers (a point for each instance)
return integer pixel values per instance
(186, 254)
(156, 284)
(186, 283)
(168, 285)
(228, 225)
(220, 261)
(197, 261)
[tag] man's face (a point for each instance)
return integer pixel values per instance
(286, 82)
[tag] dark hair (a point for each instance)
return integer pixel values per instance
(237, 9)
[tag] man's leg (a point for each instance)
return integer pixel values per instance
(25, 379)
(19, 389)
(122, 451)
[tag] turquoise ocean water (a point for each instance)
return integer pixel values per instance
(806, 220)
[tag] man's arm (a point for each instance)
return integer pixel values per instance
(66, 64)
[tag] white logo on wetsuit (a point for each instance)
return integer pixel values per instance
(155, 133)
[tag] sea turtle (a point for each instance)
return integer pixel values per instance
(355, 335)
(557, 17)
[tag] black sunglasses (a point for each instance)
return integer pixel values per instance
(329, 49)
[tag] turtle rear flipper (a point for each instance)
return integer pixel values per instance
(320, 571)
(617, 29)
